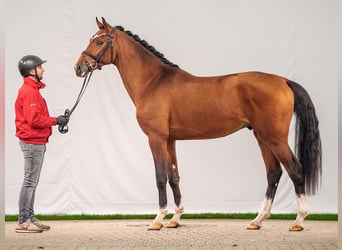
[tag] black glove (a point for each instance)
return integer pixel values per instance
(62, 120)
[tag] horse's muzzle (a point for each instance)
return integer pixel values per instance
(81, 70)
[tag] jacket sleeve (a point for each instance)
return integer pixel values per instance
(36, 112)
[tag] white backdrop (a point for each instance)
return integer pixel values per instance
(104, 165)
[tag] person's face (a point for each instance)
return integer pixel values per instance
(40, 71)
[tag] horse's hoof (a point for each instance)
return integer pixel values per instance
(172, 224)
(155, 226)
(253, 226)
(296, 228)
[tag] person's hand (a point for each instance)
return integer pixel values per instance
(62, 120)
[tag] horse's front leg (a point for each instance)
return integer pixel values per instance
(161, 162)
(173, 176)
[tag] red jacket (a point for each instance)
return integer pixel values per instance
(32, 120)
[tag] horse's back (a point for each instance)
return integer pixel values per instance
(237, 94)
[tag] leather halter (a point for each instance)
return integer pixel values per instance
(97, 58)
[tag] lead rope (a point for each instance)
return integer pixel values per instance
(64, 129)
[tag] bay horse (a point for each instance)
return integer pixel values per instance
(172, 104)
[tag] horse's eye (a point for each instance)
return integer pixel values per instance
(99, 43)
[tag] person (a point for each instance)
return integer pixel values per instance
(33, 128)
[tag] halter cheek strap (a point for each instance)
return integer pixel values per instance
(102, 52)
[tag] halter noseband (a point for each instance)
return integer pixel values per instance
(97, 58)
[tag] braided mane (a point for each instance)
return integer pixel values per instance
(147, 46)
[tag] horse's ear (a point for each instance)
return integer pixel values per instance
(99, 24)
(105, 24)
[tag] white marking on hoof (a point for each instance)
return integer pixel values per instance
(263, 214)
(302, 212)
(178, 213)
(160, 216)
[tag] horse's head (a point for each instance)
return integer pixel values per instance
(99, 52)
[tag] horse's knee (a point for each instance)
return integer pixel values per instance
(173, 176)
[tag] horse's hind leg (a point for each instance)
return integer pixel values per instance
(283, 153)
(294, 170)
(274, 173)
(174, 178)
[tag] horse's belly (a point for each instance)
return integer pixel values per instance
(201, 131)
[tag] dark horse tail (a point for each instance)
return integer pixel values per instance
(308, 142)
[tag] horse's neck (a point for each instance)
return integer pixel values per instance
(137, 67)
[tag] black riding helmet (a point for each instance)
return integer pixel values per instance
(27, 63)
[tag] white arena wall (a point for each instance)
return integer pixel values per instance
(104, 165)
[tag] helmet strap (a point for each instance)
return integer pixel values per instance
(35, 70)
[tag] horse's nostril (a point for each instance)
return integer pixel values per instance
(78, 70)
